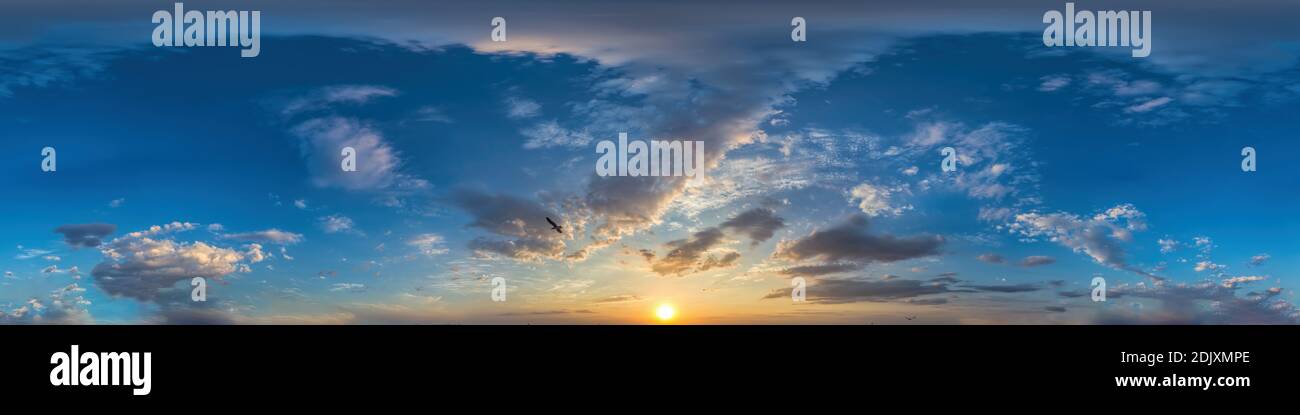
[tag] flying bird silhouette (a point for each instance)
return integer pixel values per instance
(910, 318)
(557, 228)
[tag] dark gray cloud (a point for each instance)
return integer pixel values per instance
(851, 290)
(1013, 288)
(693, 254)
(820, 269)
(88, 235)
(528, 237)
(685, 254)
(1037, 260)
(759, 224)
(624, 298)
(851, 241)
(1055, 309)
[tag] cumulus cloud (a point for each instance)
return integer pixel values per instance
(992, 258)
(1203, 303)
(337, 224)
(322, 143)
(876, 200)
(1167, 245)
(1101, 236)
(142, 266)
(88, 235)
(1259, 259)
(65, 305)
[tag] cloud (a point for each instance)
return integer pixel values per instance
(1037, 260)
(1014, 288)
(430, 244)
(322, 143)
(623, 298)
(337, 224)
(852, 241)
(1203, 303)
(348, 287)
(685, 254)
(1260, 259)
(992, 258)
(1053, 82)
(550, 134)
(273, 235)
(694, 254)
(519, 108)
(88, 235)
(759, 224)
(820, 269)
(1101, 236)
(522, 222)
(1167, 245)
(1149, 105)
(65, 305)
(1234, 281)
(329, 96)
(877, 200)
(29, 253)
(116, 203)
(141, 267)
(850, 290)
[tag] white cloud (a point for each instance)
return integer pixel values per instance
(275, 236)
(1149, 105)
(1259, 259)
(519, 108)
(336, 224)
(551, 134)
(429, 244)
(1054, 82)
(339, 94)
(1100, 237)
(1167, 245)
(348, 287)
(323, 140)
(140, 267)
(877, 200)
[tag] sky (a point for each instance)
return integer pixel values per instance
(823, 165)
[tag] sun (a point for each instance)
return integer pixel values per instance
(665, 312)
